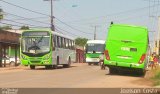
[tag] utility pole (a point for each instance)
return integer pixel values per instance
(52, 25)
(95, 30)
(52, 17)
(158, 35)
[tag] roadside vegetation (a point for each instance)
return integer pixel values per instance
(154, 76)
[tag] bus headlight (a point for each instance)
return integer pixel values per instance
(23, 57)
(46, 57)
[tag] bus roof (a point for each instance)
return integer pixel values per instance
(50, 31)
(125, 25)
(96, 41)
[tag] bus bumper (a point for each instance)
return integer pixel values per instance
(92, 59)
(124, 64)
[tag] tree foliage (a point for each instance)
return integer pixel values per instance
(7, 27)
(1, 14)
(81, 41)
(24, 27)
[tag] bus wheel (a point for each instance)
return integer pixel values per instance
(89, 63)
(142, 72)
(32, 67)
(112, 70)
(69, 63)
(48, 66)
(55, 66)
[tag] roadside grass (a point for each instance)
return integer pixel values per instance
(155, 76)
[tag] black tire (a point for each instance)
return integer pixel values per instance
(89, 63)
(32, 67)
(55, 66)
(48, 66)
(142, 72)
(69, 63)
(96, 63)
(112, 71)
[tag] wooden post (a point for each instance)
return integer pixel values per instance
(1, 55)
(4, 55)
(16, 54)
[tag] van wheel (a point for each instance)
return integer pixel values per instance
(32, 67)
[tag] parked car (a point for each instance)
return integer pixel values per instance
(10, 61)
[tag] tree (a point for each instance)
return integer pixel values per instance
(24, 27)
(81, 41)
(7, 27)
(1, 14)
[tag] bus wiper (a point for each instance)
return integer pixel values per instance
(40, 40)
(35, 47)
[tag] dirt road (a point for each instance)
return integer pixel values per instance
(78, 76)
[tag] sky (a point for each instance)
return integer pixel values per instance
(78, 18)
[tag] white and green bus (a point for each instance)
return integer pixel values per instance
(94, 48)
(46, 48)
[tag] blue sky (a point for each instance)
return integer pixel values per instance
(83, 15)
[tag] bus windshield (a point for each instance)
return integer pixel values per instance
(97, 48)
(35, 45)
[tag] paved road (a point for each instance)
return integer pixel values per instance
(78, 76)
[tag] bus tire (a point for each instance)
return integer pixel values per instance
(48, 66)
(142, 72)
(55, 66)
(32, 67)
(89, 63)
(69, 63)
(112, 70)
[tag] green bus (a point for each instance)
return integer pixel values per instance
(94, 48)
(46, 48)
(126, 48)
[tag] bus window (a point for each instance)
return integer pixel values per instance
(55, 40)
(66, 43)
(58, 43)
(61, 42)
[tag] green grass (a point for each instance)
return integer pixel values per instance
(156, 76)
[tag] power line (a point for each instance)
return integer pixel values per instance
(26, 18)
(65, 31)
(24, 8)
(23, 23)
(45, 15)
(13, 24)
(122, 12)
(72, 27)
